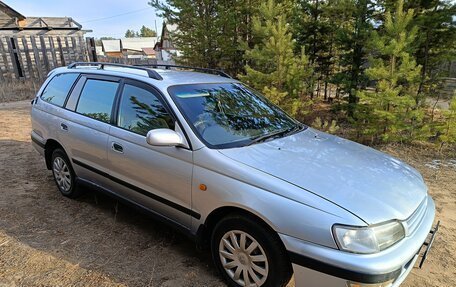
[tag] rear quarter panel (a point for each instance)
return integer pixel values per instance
(45, 121)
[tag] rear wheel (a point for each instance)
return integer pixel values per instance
(248, 254)
(63, 174)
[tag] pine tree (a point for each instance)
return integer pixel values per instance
(436, 41)
(147, 32)
(198, 30)
(272, 67)
(143, 32)
(314, 28)
(130, 34)
(210, 31)
(353, 22)
(447, 126)
(391, 113)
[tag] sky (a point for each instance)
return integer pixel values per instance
(110, 18)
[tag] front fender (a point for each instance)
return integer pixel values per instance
(233, 184)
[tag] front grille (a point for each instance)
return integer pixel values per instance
(413, 222)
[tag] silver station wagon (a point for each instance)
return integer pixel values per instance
(269, 196)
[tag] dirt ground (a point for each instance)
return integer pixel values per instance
(49, 240)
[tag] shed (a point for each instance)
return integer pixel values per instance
(13, 23)
(112, 48)
(32, 46)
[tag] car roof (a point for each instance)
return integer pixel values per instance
(169, 77)
(190, 77)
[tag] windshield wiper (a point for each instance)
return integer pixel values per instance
(299, 127)
(275, 134)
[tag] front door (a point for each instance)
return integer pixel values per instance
(158, 178)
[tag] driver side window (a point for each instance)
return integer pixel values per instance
(141, 111)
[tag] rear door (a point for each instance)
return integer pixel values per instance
(158, 178)
(88, 119)
(48, 110)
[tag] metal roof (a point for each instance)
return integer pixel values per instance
(149, 51)
(137, 44)
(111, 45)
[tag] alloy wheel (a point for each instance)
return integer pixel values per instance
(243, 258)
(62, 174)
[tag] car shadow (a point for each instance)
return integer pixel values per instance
(95, 232)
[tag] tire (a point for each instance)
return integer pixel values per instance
(271, 267)
(63, 173)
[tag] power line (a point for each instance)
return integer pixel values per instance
(114, 16)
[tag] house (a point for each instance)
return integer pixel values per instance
(13, 23)
(112, 48)
(141, 47)
(133, 47)
(165, 48)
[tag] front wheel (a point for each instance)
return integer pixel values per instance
(246, 253)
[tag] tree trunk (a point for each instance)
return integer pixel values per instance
(326, 90)
(425, 65)
(357, 60)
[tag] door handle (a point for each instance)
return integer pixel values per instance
(64, 127)
(117, 147)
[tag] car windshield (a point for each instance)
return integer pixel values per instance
(231, 115)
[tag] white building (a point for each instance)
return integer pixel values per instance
(165, 47)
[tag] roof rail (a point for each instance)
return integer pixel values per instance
(151, 73)
(166, 66)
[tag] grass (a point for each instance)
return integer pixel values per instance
(18, 90)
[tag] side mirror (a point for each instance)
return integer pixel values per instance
(165, 137)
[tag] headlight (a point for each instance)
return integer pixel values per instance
(368, 239)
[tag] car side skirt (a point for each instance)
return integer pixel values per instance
(140, 190)
(140, 208)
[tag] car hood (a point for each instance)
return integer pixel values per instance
(372, 185)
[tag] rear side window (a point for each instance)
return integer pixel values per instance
(97, 98)
(58, 88)
(141, 111)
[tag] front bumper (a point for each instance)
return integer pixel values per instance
(305, 277)
(316, 266)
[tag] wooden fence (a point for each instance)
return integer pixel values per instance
(32, 57)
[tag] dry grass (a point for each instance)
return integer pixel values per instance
(17, 90)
